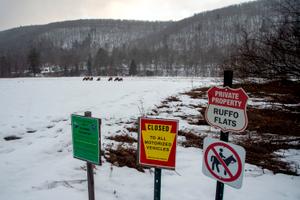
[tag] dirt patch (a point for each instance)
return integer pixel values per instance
(274, 121)
(261, 153)
(269, 129)
(192, 140)
(132, 129)
(285, 92)
(162, 106)
(123, 157)
(273, 128)
(172, 98)
(197, 121)
(197, 93)
(154, 112)
(122, 138)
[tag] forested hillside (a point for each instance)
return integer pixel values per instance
(198, 44)
(194, 46)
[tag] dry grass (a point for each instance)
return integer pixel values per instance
(122, 138)
(285, 92)
(198, 122)
(261, 153)
(274, 121)
(172, 98)
(123, 157)
(192, 140)
(271, 130)
(133, 129)
(198, 93)
(284, 122)
(162, 106)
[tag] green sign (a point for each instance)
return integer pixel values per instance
(86, 138)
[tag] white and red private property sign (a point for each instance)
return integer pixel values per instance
(227, 109)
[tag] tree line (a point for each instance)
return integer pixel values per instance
(237, 37)
(131, 61)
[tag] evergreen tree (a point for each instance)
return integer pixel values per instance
(3, 66)
(132, 68)
(101, 62)
(34, 61)
(89, 65)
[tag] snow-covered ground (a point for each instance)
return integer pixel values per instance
(40, 164)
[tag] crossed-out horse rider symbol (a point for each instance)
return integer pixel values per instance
(215, 161)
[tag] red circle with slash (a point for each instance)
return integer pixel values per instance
(232, 176)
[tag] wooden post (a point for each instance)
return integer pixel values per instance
(228, 76)
(89, 170)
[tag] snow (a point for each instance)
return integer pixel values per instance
(291, 156)
(40, 165)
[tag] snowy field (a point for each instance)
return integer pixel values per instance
(40, 165)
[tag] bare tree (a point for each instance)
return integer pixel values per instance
(274, 52)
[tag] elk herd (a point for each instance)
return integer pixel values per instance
(90, 78)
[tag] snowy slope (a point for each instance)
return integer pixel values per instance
(40, 165)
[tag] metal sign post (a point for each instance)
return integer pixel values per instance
(226, 110)
(89, 170)
(157, 147)
(228, 76)
(157, 183)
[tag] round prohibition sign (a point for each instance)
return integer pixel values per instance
(232, 177)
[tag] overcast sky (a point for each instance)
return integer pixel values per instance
(14, 13)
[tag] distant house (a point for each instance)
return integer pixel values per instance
(48, 69)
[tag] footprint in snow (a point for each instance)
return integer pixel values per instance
(53, 184)
(7, 150)
(30, 130)
(50, 126)
(59, 130)
(59, 120)
(11, 137)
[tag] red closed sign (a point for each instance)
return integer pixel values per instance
(157, 142)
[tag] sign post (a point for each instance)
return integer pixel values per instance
(226, 110)
(157, 147)
(228, 76)
(86, 144)
(157, 183)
